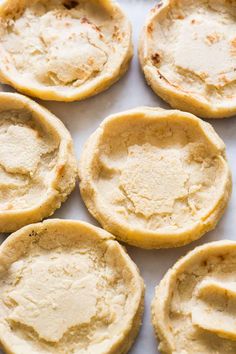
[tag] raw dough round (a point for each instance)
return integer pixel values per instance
(155, 178)
(194, 309)
(63, 50)
(188, 54)
(67, 287)
(38, 168)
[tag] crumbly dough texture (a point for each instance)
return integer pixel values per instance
(62, 49)
(155, 178)
(38, 168)
(188, 54)
(67, 287)
(193, 310)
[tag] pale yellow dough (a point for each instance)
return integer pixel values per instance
(188, 55)
(67, 287)
(194, 308)
(155, 178)
(38, 168)
(63, 50)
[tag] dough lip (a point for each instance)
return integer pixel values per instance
(41, 177)
(166, 82)
(101, 171)
(62, 85)
(100, 291)
(166, 293)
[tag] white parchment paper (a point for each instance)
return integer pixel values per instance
(82, 118)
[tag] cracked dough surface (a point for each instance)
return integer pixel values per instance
(155, 178)
(67, 287)
(62, 49)
(188, 54)
(38, 167)
(194, 306)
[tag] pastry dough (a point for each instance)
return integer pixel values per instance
(67, 287)
(63, 50)
(155, 178)
(194, 306)
(188, 54)
(38, 168)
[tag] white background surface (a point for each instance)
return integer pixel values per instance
(82, 118)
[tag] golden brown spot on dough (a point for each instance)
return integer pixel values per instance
(91, 61)
(60, 170)
(33, 233)
(180, 17)
(116, 34)
(71, 4)
(222, 258)
(87, 21)
(213, 38)
(223, 79)
(203, 75)
(150, 28)
(233, 47)
(156, 58)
